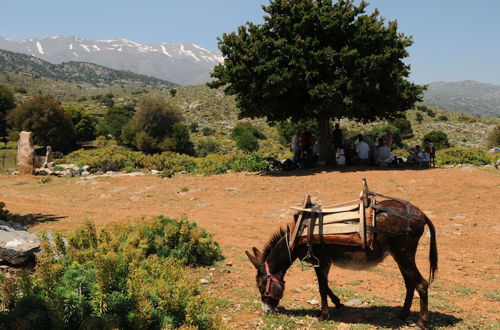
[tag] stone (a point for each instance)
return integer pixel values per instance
(313, 302)
(16, 244)
(86, 168)
(155, 172)
(49, 156)
(354, 302)
(204, 281)
(85, 173)
(25, 154)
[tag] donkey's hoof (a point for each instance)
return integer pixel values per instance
(323, 316)
(339, 306)
(422, 325)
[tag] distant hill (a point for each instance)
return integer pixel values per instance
(182, 63)
(76, 72)
(471, 97)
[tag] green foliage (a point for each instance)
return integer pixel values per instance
(379, 132)
(125, 277)
(246, 127)
(207, 131)
(7, 102)
(442, 118)
(173, 92)
(419, 117)
(439, 138)
(20, 90)
(251, 163)
(114, 119)
(493, 139)
(317, 60)
(457, 156)
(152, 126)
(207, 146)
(193, 127)
(246, 141)
(404, 127)
(182, 139)
(46, 119)
(85, 125)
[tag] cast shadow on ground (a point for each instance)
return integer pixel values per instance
(378, 316)
(342, 169)
(30, 220)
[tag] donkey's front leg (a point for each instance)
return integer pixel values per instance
(324, 290)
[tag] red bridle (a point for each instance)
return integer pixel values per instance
(270, 278)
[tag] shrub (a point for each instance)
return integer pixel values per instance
(212, 164)
(419, 118)
(207, 131)
(46, 119)
(152, 125)
(124, 277)
(439, 138)
(182, 139)
(207, 146)
(251, 163)
(286, 129)
(442, 118)
(404, 127)
(456, 156)
(7, 102)
(246, 128)
(379, 132)
(493, 139)
(85, 125)
(246, 141)
(114, 119)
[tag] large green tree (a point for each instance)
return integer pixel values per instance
(44, 116)
(7, 102)
(317, 59)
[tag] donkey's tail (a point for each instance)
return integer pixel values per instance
(433, 252)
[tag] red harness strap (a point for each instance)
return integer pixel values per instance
(270, 278)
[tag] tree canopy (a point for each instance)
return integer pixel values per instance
(317, 59)
(7, 102)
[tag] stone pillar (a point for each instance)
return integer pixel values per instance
(25, 154)
(49, 156)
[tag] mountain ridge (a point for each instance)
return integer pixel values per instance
(76, 72)
(468, 96)
(182, 63)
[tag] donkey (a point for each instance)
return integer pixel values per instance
(393, 238)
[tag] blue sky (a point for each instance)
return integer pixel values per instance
(453, 39)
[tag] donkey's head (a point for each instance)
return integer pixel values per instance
(271, 285)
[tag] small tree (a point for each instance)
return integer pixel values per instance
(173, 92)
(114, 119)
(85, 125)
(7, 102)
(247, 142)
(493, 139)
(182, 139)
(46, 119)
(152, 125)
(438, 138)
(404, 127)
(419, 118)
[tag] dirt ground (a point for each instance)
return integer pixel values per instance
(245, 209)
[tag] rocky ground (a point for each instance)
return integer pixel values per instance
(243, 210)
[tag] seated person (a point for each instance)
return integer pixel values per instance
(383, 155)
(418, 157)
(363, 151)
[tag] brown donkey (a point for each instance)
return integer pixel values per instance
(397, 241)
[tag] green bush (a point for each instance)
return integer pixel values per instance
(114, 119)
(457, 156)
(442, 118)
(493, 139)
(85, 125)
(246, 141)
(125, 277)
(207, 131)
(7, 102)
(152, 127)
(419, 118)
(251, 163)
(46, 119)
(182, 139)
(207, 146)
(404, 127)
(439, 138)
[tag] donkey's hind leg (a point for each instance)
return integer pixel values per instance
(413, 280)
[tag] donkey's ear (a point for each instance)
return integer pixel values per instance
(257, 264)
(257, 253)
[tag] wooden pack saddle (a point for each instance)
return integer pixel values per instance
(343, 224)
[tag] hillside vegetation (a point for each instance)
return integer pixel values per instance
(76, 72)
(471, 97)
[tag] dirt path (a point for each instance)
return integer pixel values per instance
(243, 210)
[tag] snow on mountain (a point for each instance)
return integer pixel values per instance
(183, 63)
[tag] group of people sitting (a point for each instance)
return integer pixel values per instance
(306, 150)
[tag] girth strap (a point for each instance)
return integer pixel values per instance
(385, 232)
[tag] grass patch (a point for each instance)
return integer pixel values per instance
(355, 282)
(463, 292)
(495, 295)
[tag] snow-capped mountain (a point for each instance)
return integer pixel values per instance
(183, 63)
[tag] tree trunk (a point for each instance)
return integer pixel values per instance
(325, 150)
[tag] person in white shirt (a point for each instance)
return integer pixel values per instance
(383, 155)
(363, 151)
